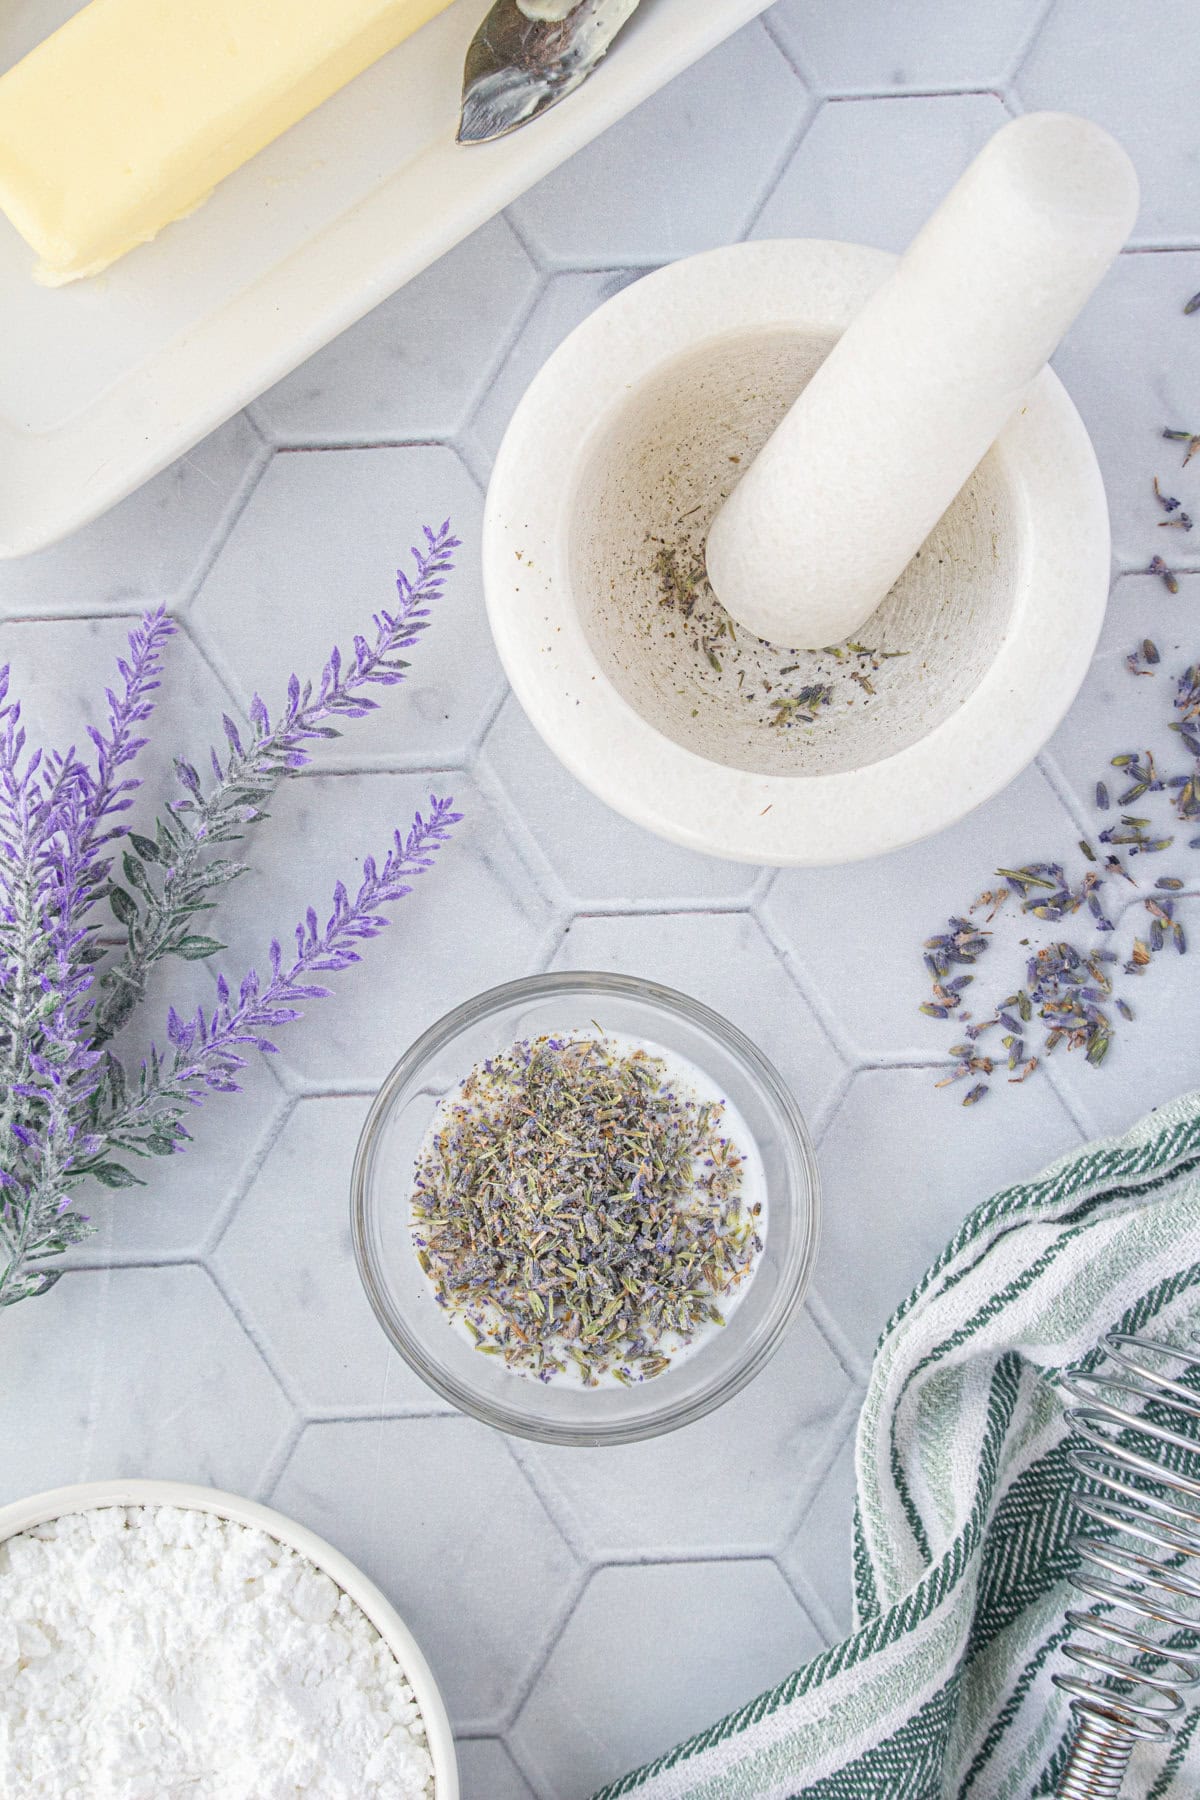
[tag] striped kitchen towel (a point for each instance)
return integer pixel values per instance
(963, 1516)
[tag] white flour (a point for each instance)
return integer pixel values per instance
(159, 1653)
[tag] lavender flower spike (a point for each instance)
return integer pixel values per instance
(66, 1105)
(209, 1050)
(170, 882)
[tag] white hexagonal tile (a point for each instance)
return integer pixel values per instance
(147, 549)
(563, 304)
(415, 366)
(938, 44)
(1117, 711)
(184, 1196)
(437, 1512)
(1151, 1059)
(597, 853)
(1135, 72)
(872, 171)
(857, 932)
(725, 960)
(820, 1556)
(903, 1165)
(487, 1772)
(309, 1304)
(761, 1455)
(673, 153)
(473, 920)
(651, 1655)
(1131, 363)
(314, 556)
(141, 1372)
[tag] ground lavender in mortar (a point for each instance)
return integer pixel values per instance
(580, 1213)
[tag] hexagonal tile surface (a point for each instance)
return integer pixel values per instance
(733, 1483)
(563, 304)
(137, 1372)
(673, 151)
(414, 367)
(1149, 105)
(887, 1215)
(314, 1313)
(725, 960)
(1117, 711)
(473, 920)
(147, 549)
(1127, 401)
(648, 1657)
(819, 1558)
(872, 171)
(418, 1503)
(597, 853)
(487, 1772)
(312, 558)
(857, 932)
(184, 1197)
(941, 44)
(1151, 1060)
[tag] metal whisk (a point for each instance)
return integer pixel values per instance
(1136, 1647)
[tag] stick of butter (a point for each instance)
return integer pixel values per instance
(130, 114)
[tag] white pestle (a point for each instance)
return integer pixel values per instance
(921, 383)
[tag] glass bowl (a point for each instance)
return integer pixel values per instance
(560, 1411)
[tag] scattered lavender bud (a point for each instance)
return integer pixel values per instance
(1193, 304)
(1170, 580)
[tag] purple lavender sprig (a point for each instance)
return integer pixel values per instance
(168, 882)
(66, 1106)
(209, 1050)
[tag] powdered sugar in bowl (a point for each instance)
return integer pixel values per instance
(161, 1638)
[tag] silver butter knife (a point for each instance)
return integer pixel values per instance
(530, 54)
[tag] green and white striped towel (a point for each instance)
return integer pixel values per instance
(963, 1516)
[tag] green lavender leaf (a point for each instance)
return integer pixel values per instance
(124, 906)
(195, 949)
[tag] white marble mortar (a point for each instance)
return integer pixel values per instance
(615, 462)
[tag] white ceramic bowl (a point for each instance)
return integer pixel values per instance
(24, 1514)
(632, 434)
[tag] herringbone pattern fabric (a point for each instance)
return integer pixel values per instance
(964, 1516)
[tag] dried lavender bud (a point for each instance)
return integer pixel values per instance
(577, 1213)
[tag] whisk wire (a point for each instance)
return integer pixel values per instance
(1134, 1455)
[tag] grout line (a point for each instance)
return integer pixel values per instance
(658, 908)
(1025, 47)
(223, 1217)
(1066, 1100)
(1183, 247)
(812, 105)
(839, 1345)
(981, 90)
(810, 993)
(794, 58)
(243, 494)
(550, 1642)
(276, 1464)
(1065, 795)
(827, 1111)
(254, 1336)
